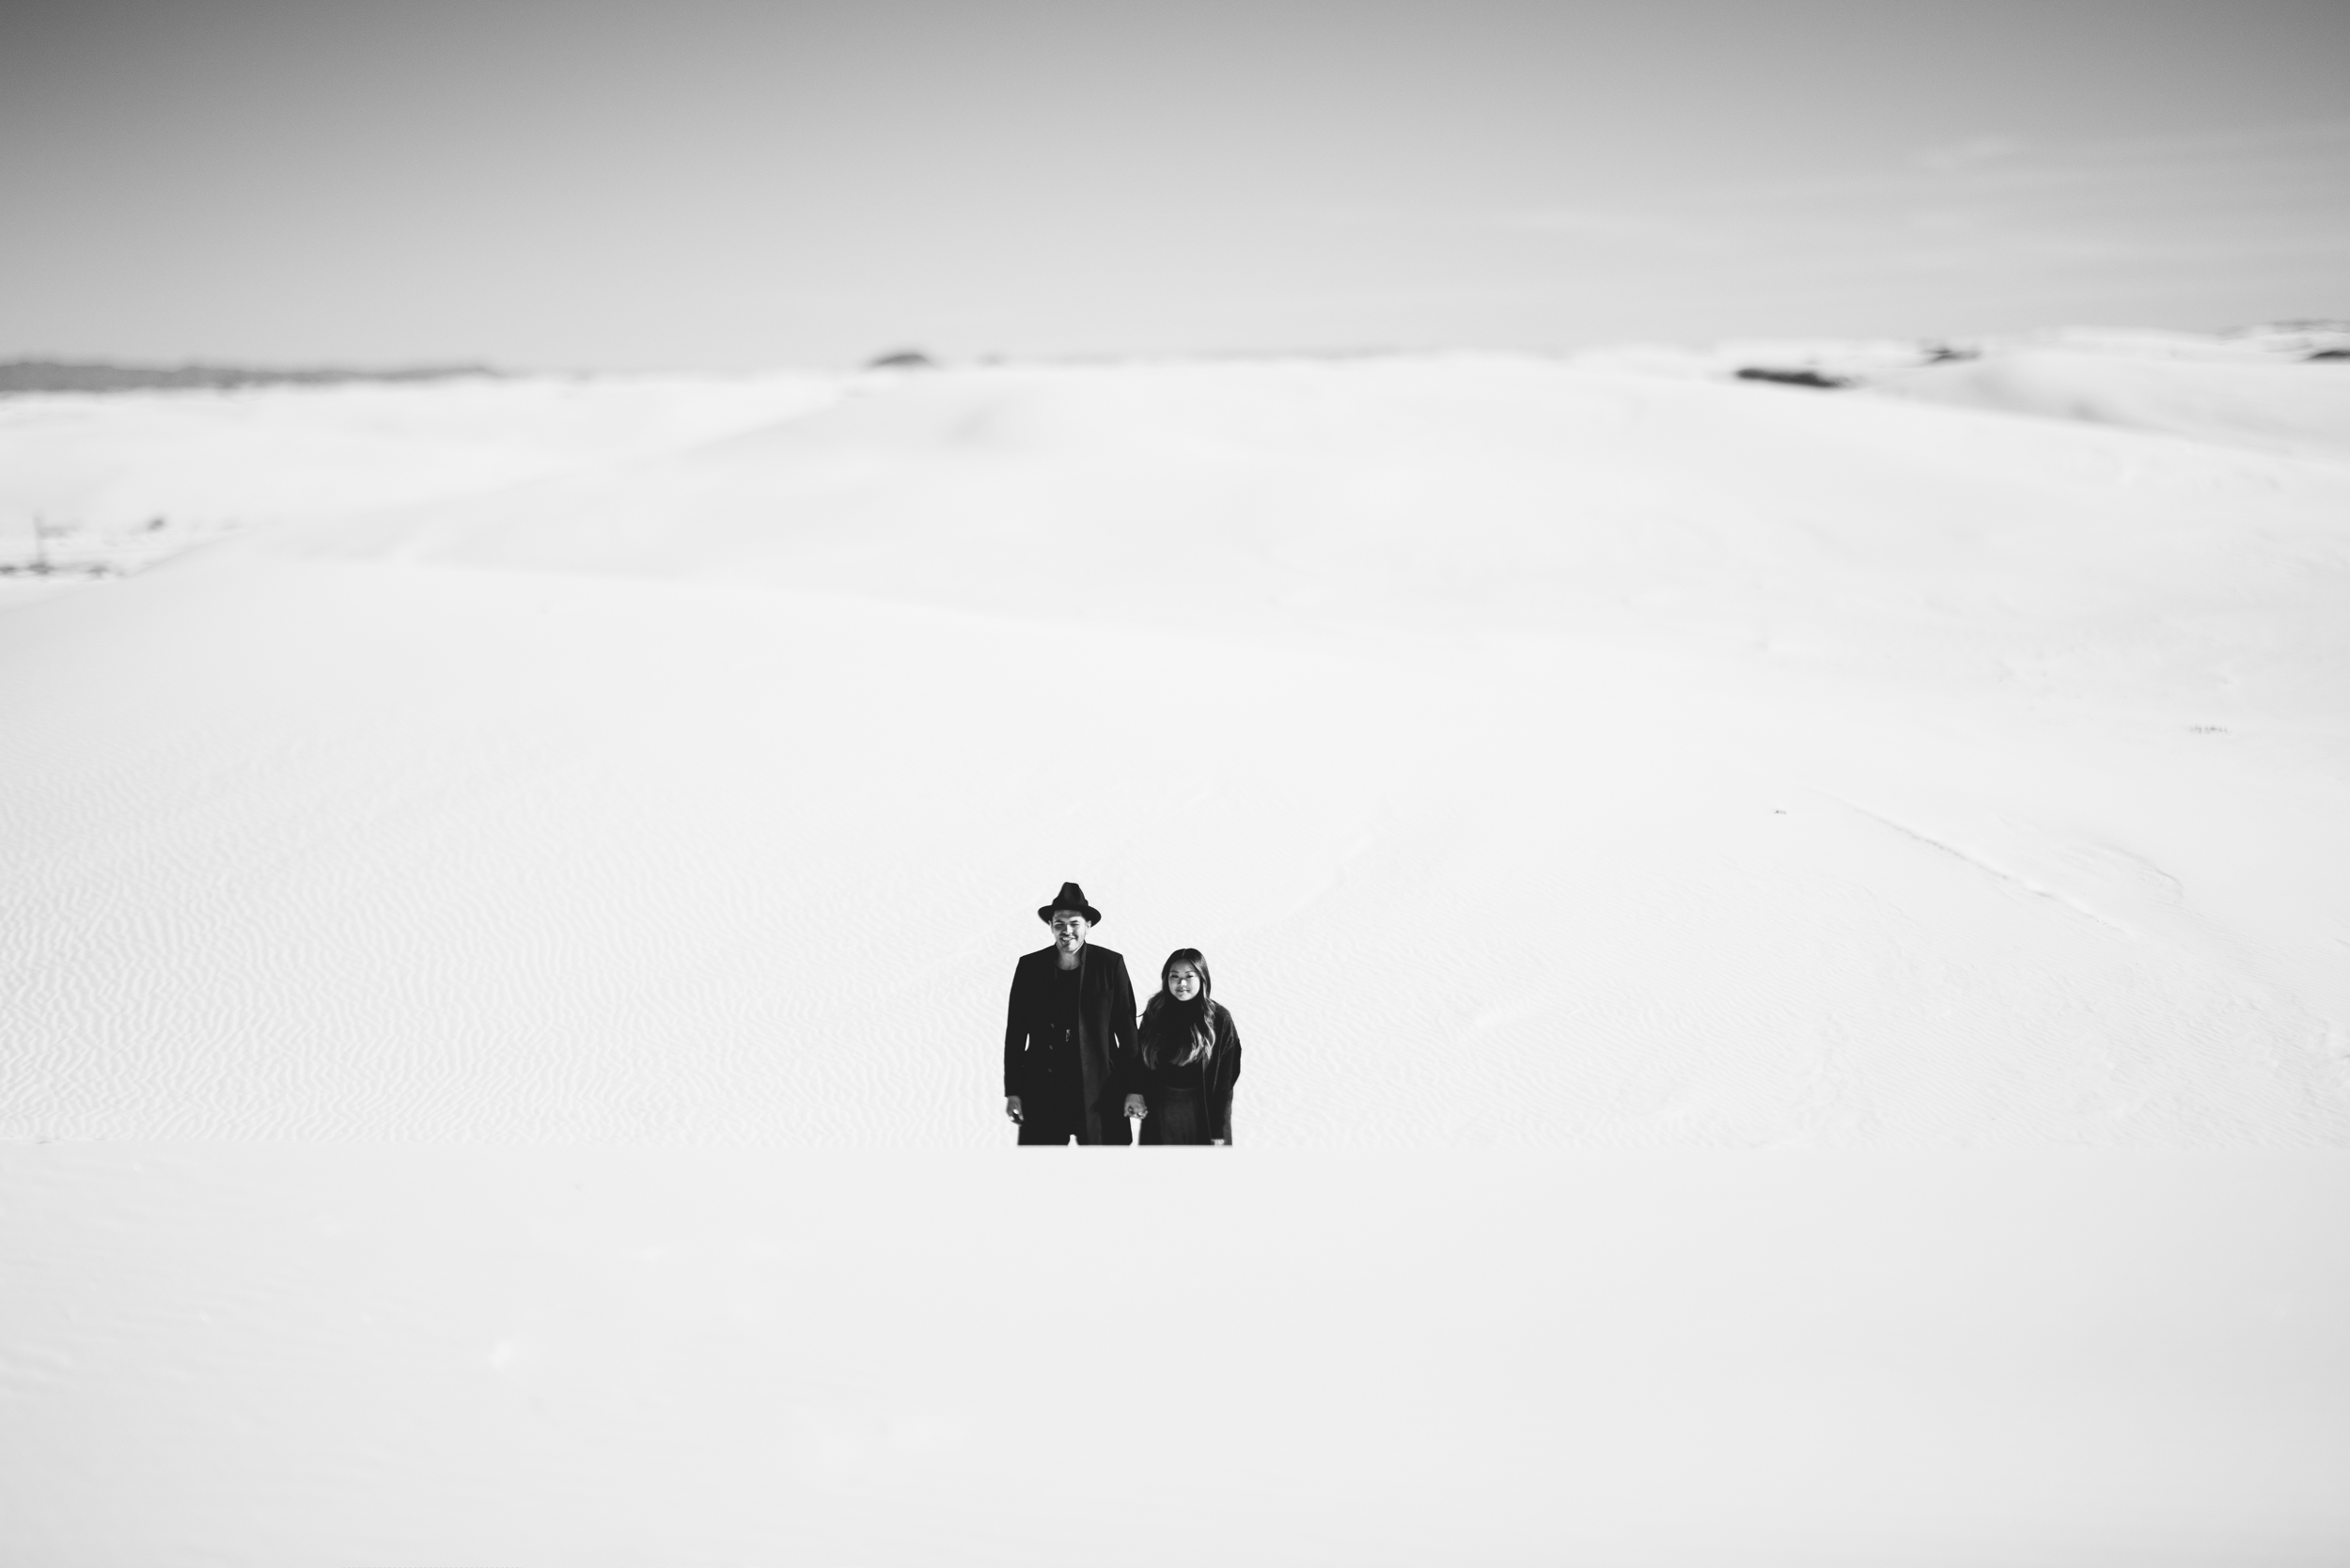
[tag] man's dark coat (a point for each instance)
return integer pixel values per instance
(1106, 1032)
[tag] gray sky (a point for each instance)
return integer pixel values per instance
(711, 183)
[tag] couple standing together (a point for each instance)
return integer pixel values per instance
(1076, 1063)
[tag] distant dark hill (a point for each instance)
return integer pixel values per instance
(1793, 377)
(66, 375)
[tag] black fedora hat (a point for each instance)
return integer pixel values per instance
(1070, 897)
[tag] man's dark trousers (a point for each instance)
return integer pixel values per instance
(1056, 1121)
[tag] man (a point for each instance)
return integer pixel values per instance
(1069, 1034)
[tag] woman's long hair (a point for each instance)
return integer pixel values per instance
(1171, 1025)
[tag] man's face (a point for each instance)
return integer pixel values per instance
(1069, 930)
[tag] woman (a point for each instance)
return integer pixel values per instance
(1189, 1058)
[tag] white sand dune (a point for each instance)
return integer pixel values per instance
(1604, 766)
(2261, 393)
(2270, 389)
(127, 478)
(358, 1356)
(1544, 755)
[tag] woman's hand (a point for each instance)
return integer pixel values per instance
(1012, 1107)
(1136, 1110)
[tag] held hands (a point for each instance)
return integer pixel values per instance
(1136, 1110)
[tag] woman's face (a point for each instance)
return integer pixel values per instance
(1183, 982)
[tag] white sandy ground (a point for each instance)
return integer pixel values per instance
(1617, 767)
(580, 1358)
(2254, 390)
(126, 479)
(1544, 755)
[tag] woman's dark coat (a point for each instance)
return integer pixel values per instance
(1215, 1078)
(1106, 1032)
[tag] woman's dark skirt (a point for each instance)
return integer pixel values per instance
(1182, 1115)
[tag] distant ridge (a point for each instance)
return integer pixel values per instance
(68, 375)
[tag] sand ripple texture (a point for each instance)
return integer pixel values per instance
(1544, 756)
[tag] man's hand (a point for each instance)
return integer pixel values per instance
(1136, 1110)
(1012, 1107)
